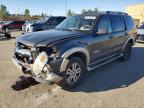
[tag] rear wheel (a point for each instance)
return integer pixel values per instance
(73, 73)
(127, 52)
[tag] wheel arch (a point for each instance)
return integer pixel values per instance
(131, 40)
(79, 52)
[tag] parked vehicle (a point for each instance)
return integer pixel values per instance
(44, 24)
(140, 34)
(27, 25)
(142, 23)
(79, 43)
(5, 27)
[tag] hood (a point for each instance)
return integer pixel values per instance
(35, 38)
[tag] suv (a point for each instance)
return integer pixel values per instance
(44, 24)
(4, 28)
(80, 43)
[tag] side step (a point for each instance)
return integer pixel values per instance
(103, 62)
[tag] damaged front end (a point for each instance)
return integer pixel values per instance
(42, 63)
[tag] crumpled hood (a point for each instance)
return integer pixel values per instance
(35, 38)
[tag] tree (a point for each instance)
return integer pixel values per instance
(26, 13)
(70, 13)
(3, 11)
(83, 11)
(89, 11)
(42, 15)
(95, 10)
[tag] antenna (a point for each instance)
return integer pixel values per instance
(66, 5)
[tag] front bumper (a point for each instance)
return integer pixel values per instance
(51, 76)
(140, 38)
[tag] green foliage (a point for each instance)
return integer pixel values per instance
(3, 11)
(84, 11)
(70, 13)
(43, 15)
(26, 13)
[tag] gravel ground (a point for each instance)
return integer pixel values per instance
(115, 85)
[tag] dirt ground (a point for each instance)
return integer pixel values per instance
(115, 85)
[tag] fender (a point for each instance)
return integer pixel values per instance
(70, 52)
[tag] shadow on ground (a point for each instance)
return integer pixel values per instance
(23, 83)
(111, 76)
(114, 75)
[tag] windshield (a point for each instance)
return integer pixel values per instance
(80, 23)
(42, 20)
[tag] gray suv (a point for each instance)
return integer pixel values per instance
(80, 43)
(43, 24)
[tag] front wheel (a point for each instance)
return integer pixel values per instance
(73, 73)
(127, 52)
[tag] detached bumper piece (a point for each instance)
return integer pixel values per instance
(39, 70)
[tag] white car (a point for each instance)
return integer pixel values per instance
(140, 34)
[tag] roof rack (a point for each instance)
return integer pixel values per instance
(114, 12)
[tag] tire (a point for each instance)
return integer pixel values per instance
(126, 52)
(75, 64)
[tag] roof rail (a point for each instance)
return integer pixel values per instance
(114, 12)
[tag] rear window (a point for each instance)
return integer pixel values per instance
(117, 24)
(129, 22)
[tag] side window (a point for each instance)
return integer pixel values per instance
(13, 22)
(118, 25)
(53, 21)
(129, 22)
(104, 23)
(16, 22)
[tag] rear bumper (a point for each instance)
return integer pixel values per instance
(51, 77)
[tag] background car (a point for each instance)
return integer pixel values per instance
(10, 25)
(140, 34)
(45, 24)
(26, 25)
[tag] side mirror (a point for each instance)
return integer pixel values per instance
(102, 31)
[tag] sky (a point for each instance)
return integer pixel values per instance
(58, 7)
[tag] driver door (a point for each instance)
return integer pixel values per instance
(102, 43)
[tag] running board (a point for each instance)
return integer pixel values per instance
(110, 60)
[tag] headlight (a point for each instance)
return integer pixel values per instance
(39, 63)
